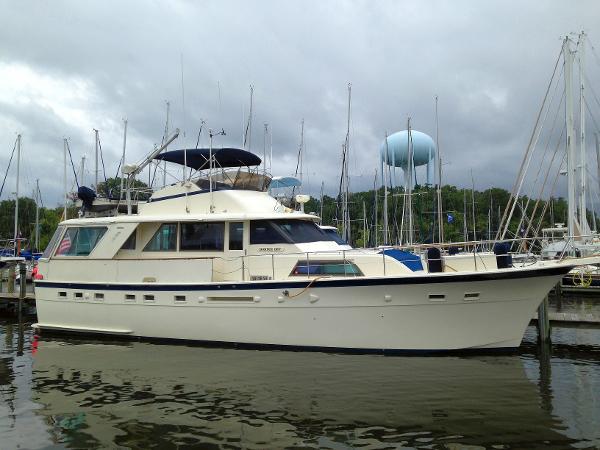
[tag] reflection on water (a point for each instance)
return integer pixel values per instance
(68, 393)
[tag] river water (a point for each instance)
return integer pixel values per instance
(72, 393)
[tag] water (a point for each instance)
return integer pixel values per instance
(73, 393)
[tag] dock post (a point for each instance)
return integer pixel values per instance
(558, 295)
(543, 322)
(22, 285)
(11, 279)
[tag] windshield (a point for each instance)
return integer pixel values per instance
(285, 231)
(335, 236)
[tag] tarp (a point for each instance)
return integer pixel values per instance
(197, 158)
(410, 260)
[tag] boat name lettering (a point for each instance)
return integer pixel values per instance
(260, 277)
(270, 249)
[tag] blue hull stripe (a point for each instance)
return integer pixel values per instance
(323, 283)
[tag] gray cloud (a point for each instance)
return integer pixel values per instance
(489, 63)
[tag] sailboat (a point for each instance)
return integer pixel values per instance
(9, 255)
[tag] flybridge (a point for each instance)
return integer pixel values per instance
(199, 158)
(216, 161)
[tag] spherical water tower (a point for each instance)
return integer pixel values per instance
(395, 152)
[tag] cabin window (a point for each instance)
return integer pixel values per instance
(236, 235)
(80, 241)
(283, 231)
(52, 244)
(334, 268)
(165, 239)
(265, 232)
(202, 236)
(129, 244)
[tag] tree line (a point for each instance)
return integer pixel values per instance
(489, 206)
(466, 214)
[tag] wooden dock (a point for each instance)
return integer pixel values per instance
(571, 318)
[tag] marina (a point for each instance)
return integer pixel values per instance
(300, 225)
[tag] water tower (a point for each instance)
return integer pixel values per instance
(423, 151)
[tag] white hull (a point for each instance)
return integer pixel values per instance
(477, 310)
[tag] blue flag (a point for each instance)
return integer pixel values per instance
(450, 218)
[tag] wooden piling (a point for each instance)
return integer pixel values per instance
(22, 286)
(543, 322)
(11, 279)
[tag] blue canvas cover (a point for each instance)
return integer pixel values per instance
(410, 260)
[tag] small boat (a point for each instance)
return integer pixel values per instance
(217, 259)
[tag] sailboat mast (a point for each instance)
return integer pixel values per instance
(301, 151)
(376, 224)
(321, 201)
(410, 184)
(386, 239)
(571, 161)
(96, 160)
(164, 139)
(17, 195)
(583, 161)
(473, 204)
(346, 193)
(438, 164)
(364, 225)
(37, 215)
(266, 132)
(65, 177)
(465, 234)
(123, 156)
(597, 166)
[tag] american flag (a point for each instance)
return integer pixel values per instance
(65, 245)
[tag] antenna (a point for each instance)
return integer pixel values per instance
(210, 164)
(248, 130)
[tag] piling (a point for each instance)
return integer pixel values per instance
(558, 295)
(22, 286)
(543, 322)
(11, 279)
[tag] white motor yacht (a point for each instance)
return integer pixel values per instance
(218, 259)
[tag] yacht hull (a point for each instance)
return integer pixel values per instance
(423, 313)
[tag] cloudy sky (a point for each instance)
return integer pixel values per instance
(67, 67)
